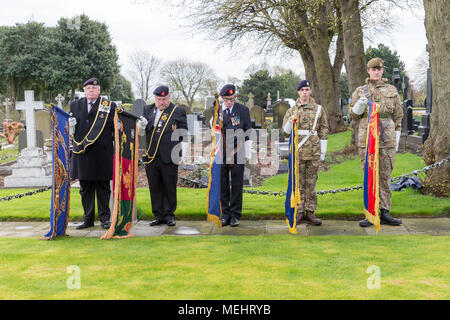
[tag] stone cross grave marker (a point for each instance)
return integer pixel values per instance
(59, 98)
(29, 105)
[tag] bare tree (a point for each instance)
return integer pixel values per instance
(145, 67)
(189, 79)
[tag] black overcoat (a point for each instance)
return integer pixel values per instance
(96, 164)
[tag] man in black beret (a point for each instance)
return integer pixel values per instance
(162, 118)
(92, 126)
(235, 117)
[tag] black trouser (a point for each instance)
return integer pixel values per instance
(88, 189)
(162, 181)
(231, 204)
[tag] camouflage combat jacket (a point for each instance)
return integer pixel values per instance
(391, 112)
(306, 114)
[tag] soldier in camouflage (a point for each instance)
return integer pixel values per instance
(313, 135)
(391, 113)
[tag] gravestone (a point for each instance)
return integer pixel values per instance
(191, 120)
(138, 110)
(208, 115)
(138, 107)
(424, 128)
(23, 139)
(43, 123)
(259, 115)
(209, 102)
(269, 100)
(344, 108)
(32, 168)
(409, 128)
(279, 110)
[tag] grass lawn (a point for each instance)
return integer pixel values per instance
(192, 202)
(227, 267)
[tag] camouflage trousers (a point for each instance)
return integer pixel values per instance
(387, 157)
(308, 170)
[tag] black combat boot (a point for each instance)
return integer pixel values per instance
(365, 223)
(386, 218)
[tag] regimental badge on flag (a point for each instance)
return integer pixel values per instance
(293, 192)
(371, 167)
(214, 207)
(125, 175)
(60, 202)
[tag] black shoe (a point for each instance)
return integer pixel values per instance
(171, 222)
(84, 226)
(386, 218)
(225, 222)
(365, 223)
(106, 225)
(234, 222)
(156, 222)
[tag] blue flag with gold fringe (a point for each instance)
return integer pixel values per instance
(60, 202)
(214, 207)
(293, 192)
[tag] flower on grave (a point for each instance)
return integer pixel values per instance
(11, 130)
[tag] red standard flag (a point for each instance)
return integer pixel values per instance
(371, 168)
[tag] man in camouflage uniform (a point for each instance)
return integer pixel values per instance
(313, 135)
(391, 113)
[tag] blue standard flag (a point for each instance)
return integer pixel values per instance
(60, 204)
(293, 192)
(213, 203)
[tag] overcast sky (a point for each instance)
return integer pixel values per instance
(148, 25)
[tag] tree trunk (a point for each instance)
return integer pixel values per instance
(354, 57)
(310, 72)
(437, 146)
(328, 97)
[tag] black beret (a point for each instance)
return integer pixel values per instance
(161, 91)
(304, 83)
(93, 81)
(227, 90)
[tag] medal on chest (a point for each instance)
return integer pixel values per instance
(235, 120)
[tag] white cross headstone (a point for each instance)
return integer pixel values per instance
(59, 98)
(29, 105)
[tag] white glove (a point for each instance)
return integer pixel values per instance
(288, 126)
(72, 123)
(248, 150)
(323, 149)
(360, 106)
(397, 139)
(142, 124)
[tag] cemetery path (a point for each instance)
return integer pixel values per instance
(430, 226)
